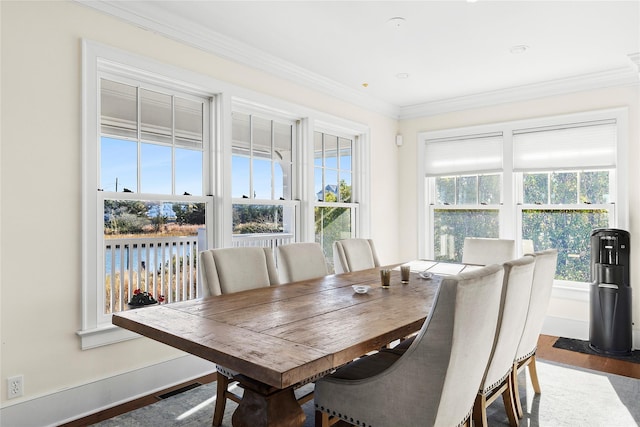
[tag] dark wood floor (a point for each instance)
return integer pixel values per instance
(546, 351)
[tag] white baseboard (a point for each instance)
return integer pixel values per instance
(77, 402)
(577, 329)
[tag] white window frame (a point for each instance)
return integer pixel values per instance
(103, 62)
(512, 209)
(226, 98)
(359, 185)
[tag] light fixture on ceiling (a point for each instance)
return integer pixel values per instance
(396, 22)
(402, 76)
(365, 84)
(519, 49)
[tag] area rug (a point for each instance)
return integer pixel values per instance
(582, 346)
(570, 397)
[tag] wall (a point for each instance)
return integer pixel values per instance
(40, 310)
(568, 313)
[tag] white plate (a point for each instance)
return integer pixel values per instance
(361, 289)
(425, 275)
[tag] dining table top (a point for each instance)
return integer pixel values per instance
(282, 335)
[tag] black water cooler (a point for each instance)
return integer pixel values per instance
(610, 323)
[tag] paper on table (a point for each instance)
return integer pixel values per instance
(445, 268)
(470, 267)
(418, 265)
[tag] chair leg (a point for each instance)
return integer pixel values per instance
(516, 391)
(533, 373)
(480, 411)
(325, 420)
(222, 382)
(509, 404)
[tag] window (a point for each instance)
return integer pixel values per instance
(467, 203)
(152, 155)
(335, 212)
(263, 153)
(149, 179)
(545, 183)
(560, 206)
(465, 206)
(147, 201)
(152, 150)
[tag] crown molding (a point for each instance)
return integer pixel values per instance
(149, 16)
(599, 80)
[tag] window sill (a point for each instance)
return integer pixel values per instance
(104, 335)
(563, 289)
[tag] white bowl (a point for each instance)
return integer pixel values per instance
(361, 289)
(425, 275)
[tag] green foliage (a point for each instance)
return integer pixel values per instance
(189, 213)
(452, 226)
(569, 231)
(248, 219)
(333, 223)
(125, 216)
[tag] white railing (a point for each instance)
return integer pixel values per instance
(262, 240)
(163, 266)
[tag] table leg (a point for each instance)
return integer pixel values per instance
(266, 406)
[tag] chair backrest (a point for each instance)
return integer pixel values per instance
(229, 270)
(543, 274)
(354, 255)
(516, 291)
(444, 366)
(486, 251)
(300, 261)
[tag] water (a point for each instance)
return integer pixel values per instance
(149, 256)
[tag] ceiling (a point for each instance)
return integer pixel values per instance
(436, 52)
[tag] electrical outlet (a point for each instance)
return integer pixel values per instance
(14, 386)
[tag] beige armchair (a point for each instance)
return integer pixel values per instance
(231, 270)
(434, 382)
(498, 381)
(300, 261)
(354, 255)
(485, 251)
(543, 275)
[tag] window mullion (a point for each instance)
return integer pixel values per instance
(272, 163)
(139, 140)
(251, 156)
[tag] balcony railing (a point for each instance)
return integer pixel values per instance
(163, 266)
(262, 240)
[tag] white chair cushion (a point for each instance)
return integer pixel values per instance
(300, 261)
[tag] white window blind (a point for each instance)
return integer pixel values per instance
(576, 146)
(467, 154)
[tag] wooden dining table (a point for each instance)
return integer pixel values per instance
(279, 336)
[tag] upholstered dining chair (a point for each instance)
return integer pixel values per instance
(354, 255)
(435, 380)
(543, 274)
(300, 261)
(498, 381)
(486, 251)
(229, 270)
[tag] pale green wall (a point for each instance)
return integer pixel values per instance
(41, 185)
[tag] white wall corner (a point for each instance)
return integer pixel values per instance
(73, 403)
